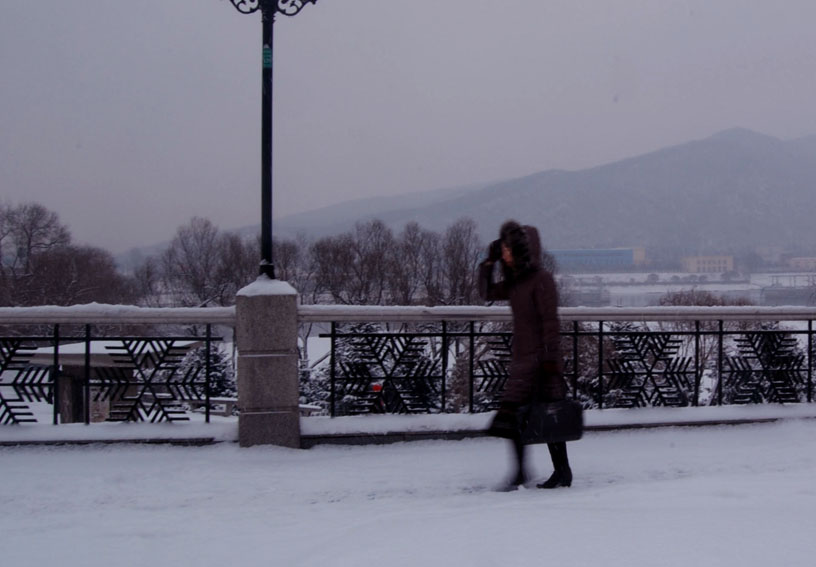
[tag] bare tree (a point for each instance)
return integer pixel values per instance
(5, 225)
(461, 251)
(237, 266)
(287, 261)
(190, 263)
(333, 257)
(373, 247)
(203, 266)
(432, 274)
(26, 230)
(148, 282)
(70, 275)
(413, 263)
(353, 267)
(294, 264)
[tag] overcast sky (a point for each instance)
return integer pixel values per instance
(129, 118)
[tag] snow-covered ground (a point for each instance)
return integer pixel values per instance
(226, 428)
(728, 495)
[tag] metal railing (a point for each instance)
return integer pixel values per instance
(86, 375)
(450, 359)
(415, 359)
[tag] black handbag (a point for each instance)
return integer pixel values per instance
(540, 422)
(551, 422)
(505, 424)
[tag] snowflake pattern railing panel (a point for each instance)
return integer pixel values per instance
(636, 365)
(386, 372)
(769, 367)
(22, 384)
(155, 379)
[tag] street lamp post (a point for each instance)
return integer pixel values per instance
(268, 9)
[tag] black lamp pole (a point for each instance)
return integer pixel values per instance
(268, 10)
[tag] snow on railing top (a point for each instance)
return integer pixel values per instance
(129, 314)
(115, 314)
(339, 313)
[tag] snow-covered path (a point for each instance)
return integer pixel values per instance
(727, 495)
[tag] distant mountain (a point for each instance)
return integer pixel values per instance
(321, 222)
(340, 217)
(732, 191)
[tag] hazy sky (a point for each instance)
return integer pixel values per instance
(129, 118)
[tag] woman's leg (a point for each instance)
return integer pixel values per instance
(558, 454)
(518, 448)
(517, 476)
(562, 475)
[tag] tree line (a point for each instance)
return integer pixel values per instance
(204, 266)
(367, 265)
(40, 265)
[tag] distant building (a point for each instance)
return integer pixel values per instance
(599, 259)
(708, 264)
(803, 264)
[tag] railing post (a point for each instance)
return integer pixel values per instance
(720, 363)
(55, 375)
(207, 374)
(87, 375)
(268, 390)
(697, 370)
(333, 370)
(471, 363)
(600, 365)
(810, 362)
(575, 328)
(444, 363)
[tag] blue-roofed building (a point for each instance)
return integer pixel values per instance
(599, 259)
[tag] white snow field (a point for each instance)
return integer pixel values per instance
(727, 495)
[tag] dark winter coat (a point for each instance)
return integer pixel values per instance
(536, 366)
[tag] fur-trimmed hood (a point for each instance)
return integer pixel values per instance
(525, 245)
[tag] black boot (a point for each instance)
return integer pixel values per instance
(562, 475)
(558, 478)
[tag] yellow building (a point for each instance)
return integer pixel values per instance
(708, 264)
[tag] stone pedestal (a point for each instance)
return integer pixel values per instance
(266, 337)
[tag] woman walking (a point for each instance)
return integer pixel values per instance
(536, 367)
